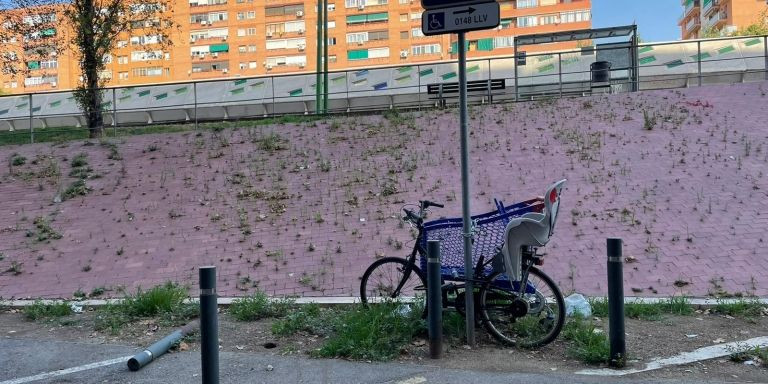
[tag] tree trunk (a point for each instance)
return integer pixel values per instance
(90, 68)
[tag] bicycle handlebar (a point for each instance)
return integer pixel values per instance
(426, 204)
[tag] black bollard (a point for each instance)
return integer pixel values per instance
(209, 326)
(434, 300)
(616, 304)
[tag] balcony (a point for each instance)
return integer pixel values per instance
(716, 19)
(693, 24)
(709, 7)
(691, 8)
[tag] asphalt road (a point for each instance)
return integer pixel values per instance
(23, 360)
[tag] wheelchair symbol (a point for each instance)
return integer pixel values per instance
(436, 21)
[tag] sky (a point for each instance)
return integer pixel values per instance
(656, 19)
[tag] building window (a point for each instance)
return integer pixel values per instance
(241, 15)
(241, 49)
(122, 75)
(358, 37)
(503, 41)
(284, 10)
(242, 65)
(251, 32)
(297, 61)
(332, 59)
(575, 16)
(506, 23)
(403, 17)
(240, 32)
(368, 18)
(527, 21)
(251, 15)
(549, 19)
(147, 71)
(416, 16)
(416, 32)
(428, 49)
(404, 1)
(403, 35)
(122, 43)
(527, 3)
(252, 65)
(331, 41)
(252, 48)
(287, 44)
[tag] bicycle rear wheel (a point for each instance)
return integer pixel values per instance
(529, 321)
(393, 278)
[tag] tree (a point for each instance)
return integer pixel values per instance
(759, 28)
(89, 30)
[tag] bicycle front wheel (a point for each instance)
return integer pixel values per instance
(529, 321)
(392, 278)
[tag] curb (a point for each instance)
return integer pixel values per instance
(341, 300)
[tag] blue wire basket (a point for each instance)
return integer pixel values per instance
(489, 235)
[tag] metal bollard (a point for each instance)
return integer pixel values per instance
(434, 300)
(616, 303)
(209, 326)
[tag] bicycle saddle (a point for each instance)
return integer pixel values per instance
(531, 229)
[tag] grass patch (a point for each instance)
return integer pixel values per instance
(80, 160)
(586, 344)
(756, 354)
(43, 230)
(77, 188)
(41, 311)
(258, 306)
(309, 318)
(17, 160)
(740, 308)
(164, 302)
(378, 332)
(642, 311)
(64, 134)
(272, 142)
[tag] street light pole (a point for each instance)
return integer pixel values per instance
(325, 56)
(318, 77)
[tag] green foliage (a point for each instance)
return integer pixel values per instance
(163, 301)
(81, 172)
(377, 332)
(272, 142)
(649, 121)
(80, 160)
(586, 344)
(756, 354)
(43, 230)
(308, 318)
(740, 308)
(77, 188)
(258, 306)
(162, 298)
(40, 311)
(651, 311)
(17, 160)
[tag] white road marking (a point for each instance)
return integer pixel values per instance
(67, 371)
(700, 354)
(412, 380)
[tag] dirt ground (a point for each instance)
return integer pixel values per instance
(645, 340)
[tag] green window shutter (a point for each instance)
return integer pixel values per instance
(33, 65)
(359, 54)
(354, 19)
(507, 22)
(454, 48)
(384, 16)
(485, 44)
(219, 48)
(706, 2)
(48, 32)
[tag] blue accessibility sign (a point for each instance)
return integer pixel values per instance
(436, 21)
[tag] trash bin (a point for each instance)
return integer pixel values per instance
(601, 72)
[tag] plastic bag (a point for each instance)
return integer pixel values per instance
(577, 304)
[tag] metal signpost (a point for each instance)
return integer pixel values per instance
(460, 16)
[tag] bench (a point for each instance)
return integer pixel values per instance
(485, 86)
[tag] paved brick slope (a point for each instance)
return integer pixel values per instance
(303, 209)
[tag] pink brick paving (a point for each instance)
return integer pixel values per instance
(688, 197)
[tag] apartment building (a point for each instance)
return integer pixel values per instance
(234, 38)
(726, 16)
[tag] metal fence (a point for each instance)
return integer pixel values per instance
(552, 74)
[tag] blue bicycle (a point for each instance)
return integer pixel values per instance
(515, 301)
